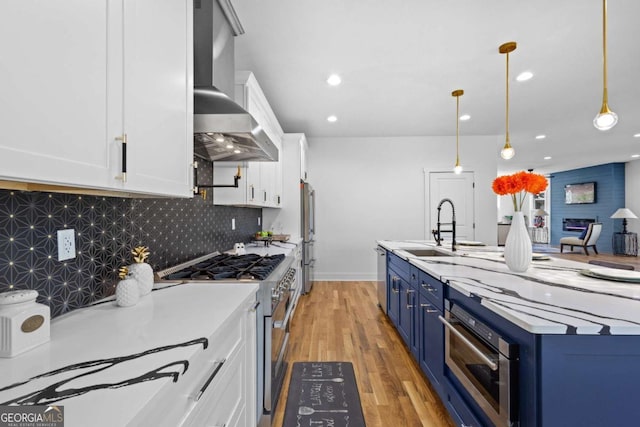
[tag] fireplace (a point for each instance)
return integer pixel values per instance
(576, 224)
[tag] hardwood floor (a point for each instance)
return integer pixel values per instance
(341, 321)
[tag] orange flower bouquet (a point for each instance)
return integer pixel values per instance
(518, 185)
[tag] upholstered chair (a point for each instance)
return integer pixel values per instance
(588, 239)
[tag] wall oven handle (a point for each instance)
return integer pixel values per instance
(480, 354)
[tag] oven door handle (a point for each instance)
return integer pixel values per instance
(476, 350)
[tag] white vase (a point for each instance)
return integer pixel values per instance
(517, 248)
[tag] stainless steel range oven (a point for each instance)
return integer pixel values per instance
(484, 364)
(284, 298)
(277, 294)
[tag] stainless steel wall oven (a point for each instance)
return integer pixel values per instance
(485, 364)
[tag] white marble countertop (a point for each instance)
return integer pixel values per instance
(551, 297)
(93, 348)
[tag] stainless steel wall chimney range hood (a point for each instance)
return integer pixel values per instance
(222, 129)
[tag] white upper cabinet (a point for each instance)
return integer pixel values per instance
(261, 182)
(72, 84)
(158, 96)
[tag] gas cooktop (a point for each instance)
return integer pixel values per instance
(225, 267)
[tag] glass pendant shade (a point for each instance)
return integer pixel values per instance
(457, 169)
(507, 152)
(606, 119)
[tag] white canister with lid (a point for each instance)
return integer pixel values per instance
(24, 323)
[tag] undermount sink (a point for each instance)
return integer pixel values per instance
(426, 252)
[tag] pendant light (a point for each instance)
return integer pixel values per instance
(507, 151)
(606, 119)
(457, 93)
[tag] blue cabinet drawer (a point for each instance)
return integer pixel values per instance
(400, 265)
(458, 409)
(432, 289)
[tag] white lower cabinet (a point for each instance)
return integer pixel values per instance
(219, 388)
(77, 76)
(223, 403)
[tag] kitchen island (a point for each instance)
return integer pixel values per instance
(577, 337)
(145, 365)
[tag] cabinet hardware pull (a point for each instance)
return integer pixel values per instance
(208, 382)
(409, 306)
(123, 139)
(278, 199)
(393, 284)
(252, 193)
(254, 306)
(427, 309)
(428, 287)
(469, 344)
(265, 196)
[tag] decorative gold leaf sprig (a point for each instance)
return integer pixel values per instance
(123, 272)
(140, 254)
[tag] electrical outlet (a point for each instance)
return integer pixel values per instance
(66, 244)
(233, 223)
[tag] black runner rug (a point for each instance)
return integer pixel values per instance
(323, 394)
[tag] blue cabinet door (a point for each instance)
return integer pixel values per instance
(431, 339)
(393, 296)
(405, 313)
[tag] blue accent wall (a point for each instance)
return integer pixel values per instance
(609, 179)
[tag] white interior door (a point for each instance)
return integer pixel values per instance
(460, 189)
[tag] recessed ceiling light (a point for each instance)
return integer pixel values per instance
(229, 146)
(541, 136)
(465, 117)
(637, 135)
(236, 151)
(524, 76)
(219, 138)
(334, 80)
(332, 119)
(635, 156)
(547, 158)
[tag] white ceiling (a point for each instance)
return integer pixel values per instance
(400, 61)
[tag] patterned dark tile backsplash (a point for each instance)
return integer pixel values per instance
(175, 230)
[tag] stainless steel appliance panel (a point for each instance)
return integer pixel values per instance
(382, 277)
(484, 364)
(307, 202)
